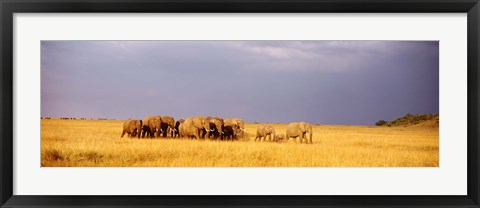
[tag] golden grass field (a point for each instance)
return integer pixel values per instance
(86, 143)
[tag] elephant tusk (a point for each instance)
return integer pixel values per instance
(242, 129)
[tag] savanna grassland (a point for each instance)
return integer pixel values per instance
(85, 143)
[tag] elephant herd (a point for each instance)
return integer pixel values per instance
(201, 127)
(192, 127)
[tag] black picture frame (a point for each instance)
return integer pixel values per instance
(9, 7)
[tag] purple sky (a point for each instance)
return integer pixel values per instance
(325, 82)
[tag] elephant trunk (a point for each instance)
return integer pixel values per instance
(273, 135)
(144, 130)
(220, 131)
(172, 130)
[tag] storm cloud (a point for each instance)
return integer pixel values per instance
(325, 82)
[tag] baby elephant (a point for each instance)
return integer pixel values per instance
(279, 138)
(263, 132)
(132, 128)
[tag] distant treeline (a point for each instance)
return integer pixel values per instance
(66, 118)
(408, 120)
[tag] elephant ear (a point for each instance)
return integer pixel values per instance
(197, 122)
(302, 126)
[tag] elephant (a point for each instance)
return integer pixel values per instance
(299, 129)
(228, 132)
(238, 126)
(176, 132)
(203, 132)
(132, 128)
(279, 137)
(216, 128)
(231, 126)
(263, 132)
(193, 126)
(181, 130)
(167, 125)
(151, 126)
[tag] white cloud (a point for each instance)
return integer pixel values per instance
(283, 52)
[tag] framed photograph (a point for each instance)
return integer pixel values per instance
(239, 103)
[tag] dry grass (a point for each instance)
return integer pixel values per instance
(84, 143)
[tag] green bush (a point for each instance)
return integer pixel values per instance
(408, 120)
(381, 123)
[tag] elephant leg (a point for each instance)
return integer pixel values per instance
(123, 133)
(196, 134)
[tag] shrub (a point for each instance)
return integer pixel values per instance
(381, 123)
(408, 120)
